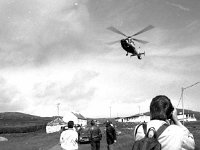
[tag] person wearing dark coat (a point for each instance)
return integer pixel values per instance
(95, 136)
(110, 135)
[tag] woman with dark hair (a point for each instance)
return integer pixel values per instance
(175, 136)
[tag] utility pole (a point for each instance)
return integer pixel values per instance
(139, 109)
(182, 91)
(58, 105)
(183, 112)
(110, 111)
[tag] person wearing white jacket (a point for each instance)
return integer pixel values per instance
(176, 136)
(69, 138)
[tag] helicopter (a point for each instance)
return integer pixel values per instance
(128, 43)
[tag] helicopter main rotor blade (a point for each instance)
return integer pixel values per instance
(114, 42)
(140, 41)
(111, 28)
(143, 30)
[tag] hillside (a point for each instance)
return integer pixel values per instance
(15, 115)
(21, 119)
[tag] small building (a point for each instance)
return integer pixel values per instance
(119, 119)
(81, 119)
(188, 116)
(55, 125)
(135, 118)
(138, 118)
(76, 117)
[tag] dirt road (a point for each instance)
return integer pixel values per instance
(80, 147)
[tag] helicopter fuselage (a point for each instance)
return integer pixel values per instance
(129, 47)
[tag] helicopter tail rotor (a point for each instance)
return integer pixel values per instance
(140, 55)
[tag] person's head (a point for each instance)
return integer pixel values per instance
(107, 123)
(161, 108)
(92, 122)
(70, 124)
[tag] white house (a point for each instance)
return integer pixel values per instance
(76, 117)
(81, 119)
(134, 118)
(55, 125)
(188, 116)
(119, 119)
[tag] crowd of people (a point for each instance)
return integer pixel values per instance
(69, 137)
(163, 127)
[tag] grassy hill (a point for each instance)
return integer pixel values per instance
(16, 122)
(21, 119)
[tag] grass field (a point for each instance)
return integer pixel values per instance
(43, 141)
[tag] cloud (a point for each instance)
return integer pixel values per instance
(45, 90)
(72, 94)
(193, 25)
(187, 52)
(35, 32)
(78, 89)
(10, 99)
(178, 6)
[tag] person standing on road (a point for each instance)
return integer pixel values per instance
(176, 136)
(69, 138)
(95, 136)
(110, 135)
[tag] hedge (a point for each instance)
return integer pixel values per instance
(22, 129)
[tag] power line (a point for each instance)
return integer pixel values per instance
(191, 85)
(184, 89)
(181, 97)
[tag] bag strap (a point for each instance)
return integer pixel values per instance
(144, 125)
(151, 129)
(161, 129)
(144, 128)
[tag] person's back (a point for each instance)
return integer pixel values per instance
(175, 136)
(110, 134)
(95, 136)
(69, 138)
(94, 130)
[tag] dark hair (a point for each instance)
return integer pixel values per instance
(161, 108)
(70, 124)
(92, 122)
(107, 123)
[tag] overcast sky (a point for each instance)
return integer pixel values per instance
(56, 51)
